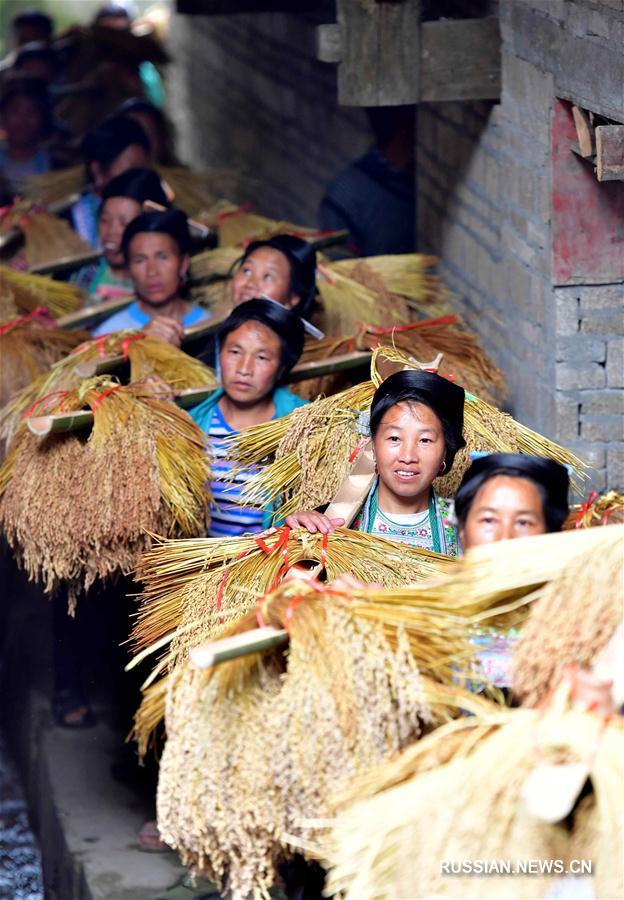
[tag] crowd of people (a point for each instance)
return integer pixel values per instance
(436, 480)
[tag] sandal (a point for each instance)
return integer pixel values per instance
(69, 711)
(149, 839)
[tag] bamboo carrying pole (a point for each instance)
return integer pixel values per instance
(58, 423)
(90, 367)
(90, 314)
(345, 504)
(66, 263)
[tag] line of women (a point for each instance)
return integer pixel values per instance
(417, 427)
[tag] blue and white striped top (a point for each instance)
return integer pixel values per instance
(228, 519)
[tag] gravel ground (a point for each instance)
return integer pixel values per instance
(20, 866)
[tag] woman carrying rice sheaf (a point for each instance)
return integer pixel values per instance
(122, 201)
(416, 423)
(259, 344)
(504, 496)
(155, 248)
(282, 268)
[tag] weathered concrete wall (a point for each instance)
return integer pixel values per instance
(247, 91)
(485, 186)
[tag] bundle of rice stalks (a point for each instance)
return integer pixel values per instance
(573, 620)
(312, 446)
(237, 226)
(380, 291)
(28, 348)
(214, 264)
(243, 766)
(598, 509)
(23, 293)
(46, 237)
(147, 356)
(49, 238)
(464, 357)
(50, 188)
(441, 821)
(75, 507)
(197, 191)
(193, 590)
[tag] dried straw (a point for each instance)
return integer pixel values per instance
(574, 618)
(464, 357)
(29, 349)
(598, 509)
(147, 357)
(75, 508)
(194, 590)
(470, 808)
(311, 446)
(239, 769)
(26, 292)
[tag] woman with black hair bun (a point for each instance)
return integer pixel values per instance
(510, 495)
(155, 248)
(259, 344)
(281, 268)
(416, 424)
(122, 201)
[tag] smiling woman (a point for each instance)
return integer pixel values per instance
(416, 426)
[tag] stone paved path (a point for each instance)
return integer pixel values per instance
(20, 868)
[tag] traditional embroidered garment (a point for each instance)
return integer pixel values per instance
(431, 529)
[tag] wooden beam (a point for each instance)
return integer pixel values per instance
(460, 60)
(610, 152)
(379, 52)
(226, 7)
(389, 57)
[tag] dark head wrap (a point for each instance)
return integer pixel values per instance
(108, 140)
(286, 324)
(137, 184)
(171, 221)
(550, 477)
(439, 394)
(301, 257)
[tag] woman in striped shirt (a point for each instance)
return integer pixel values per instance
(259, 344)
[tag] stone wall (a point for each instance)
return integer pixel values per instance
(247, 91)
(485, 187)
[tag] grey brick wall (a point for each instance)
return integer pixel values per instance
(484, 181)
(247, 91)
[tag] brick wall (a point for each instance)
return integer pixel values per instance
(485, 182)
(247, 91)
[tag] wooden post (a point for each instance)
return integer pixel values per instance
(379, 47)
